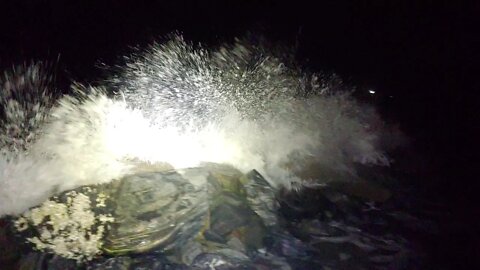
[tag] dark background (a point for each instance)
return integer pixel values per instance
(423, 53)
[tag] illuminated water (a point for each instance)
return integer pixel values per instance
(183, 104)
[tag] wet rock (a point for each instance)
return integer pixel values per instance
(155, 211)
(32, 261)
(261, 197)
(186, 213)
(231, 216)
(220, 261)
(364, 190)
(119, 262)
(9, 248)
(41, 260)
(139, 262)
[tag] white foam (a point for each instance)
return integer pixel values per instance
(184, 107)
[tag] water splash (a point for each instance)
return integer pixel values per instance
(249, 97)
(27, 93)
(184, 105)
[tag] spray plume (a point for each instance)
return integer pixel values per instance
(184, 105)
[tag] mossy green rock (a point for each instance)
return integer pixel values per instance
(207, 209)
(155, 210)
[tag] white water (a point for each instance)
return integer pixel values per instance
(184, 105)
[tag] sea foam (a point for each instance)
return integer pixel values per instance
(183, 104)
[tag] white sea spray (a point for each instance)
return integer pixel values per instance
(184, 105)
(270, 116)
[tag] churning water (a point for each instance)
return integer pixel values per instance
(182, 104)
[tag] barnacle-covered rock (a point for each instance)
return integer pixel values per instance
(71, 225)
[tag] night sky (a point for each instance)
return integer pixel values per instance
(423, 53)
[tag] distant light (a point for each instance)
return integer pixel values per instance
(371, 91)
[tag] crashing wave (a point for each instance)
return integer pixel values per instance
(184, 104)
